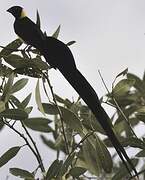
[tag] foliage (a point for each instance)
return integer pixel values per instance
(74, 129)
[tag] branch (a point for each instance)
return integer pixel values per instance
(34, 144)
(60, 113)
(27, 143)
(117, 105)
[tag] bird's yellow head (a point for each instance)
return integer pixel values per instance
(17, 11)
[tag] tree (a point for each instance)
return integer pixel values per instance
(74, 129)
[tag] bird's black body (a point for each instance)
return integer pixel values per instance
(37, 36)
(59, 56)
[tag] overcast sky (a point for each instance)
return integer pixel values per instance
(109, 35)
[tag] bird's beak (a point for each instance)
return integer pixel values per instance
(9, 10)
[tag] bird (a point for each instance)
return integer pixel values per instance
(59, 56)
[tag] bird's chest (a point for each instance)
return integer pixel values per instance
(22, 31)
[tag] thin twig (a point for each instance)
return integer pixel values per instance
(124, 116)
(81, 141)
(141, 172)
(25, 139)
(117, 105)
(34, 144)
(60, 113)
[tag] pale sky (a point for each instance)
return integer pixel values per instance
(109, 35)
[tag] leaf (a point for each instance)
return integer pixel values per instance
(56, 33)
(20, 84)
(26, 101)
(123, 87)
(1, 125)
(29, 71)
(59, 99)
(50, 109)
(77, 171)
(68, 116)
(140, 153)
(48, 142)
(8, 88)
(8, 155)
(21, 173)
(54, 169)
(70, 43)
(89, 120)
(28, 109)
(2, 106)
(5, 71)
(38, 124)
(38, 20)
(123, 73)
(38, 63)
(122, 172)
(66, 164)
(11, 47)
(104, 156)
(141, 116)
(91, 158)
(14, 114)
(138, 82)
(15, 101)
(133, 142)
(38, 98)
(16, 61)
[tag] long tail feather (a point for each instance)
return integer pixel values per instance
(59, 56)
(87, 93)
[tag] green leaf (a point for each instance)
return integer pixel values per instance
(89, 120)
(141, 116)
(11, 47)
(50, 109)
(2, 106)
(21, 173)
(123, 73)
(48, 142)
(54, 169)
(66, 164)
(14, 114)
(138, 82)
(5, 71)
(38, 98)
(104, 156)
(123, 87)
(56, 33)
(59, 99)
(15, 101)
(28, 109)
(122, 172)
(140, 153)
(1, 125)
(38, 63)
(38, 20)
(38, 124)
(8, 88)
(8, 155)
(77, 171)
(20, 84)
(16, 61)
(69, 117)
(91, 158)
(70, 43)
(133, 142)
(26, 101)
